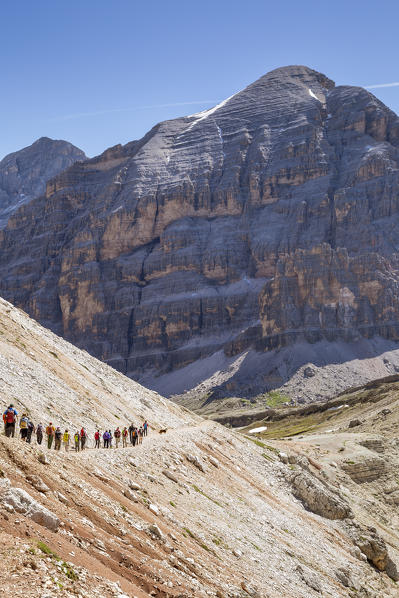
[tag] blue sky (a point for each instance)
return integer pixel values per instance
(98, 72)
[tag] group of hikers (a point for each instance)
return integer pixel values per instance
(132, 434)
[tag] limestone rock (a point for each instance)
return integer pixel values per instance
(155, 531)
(23, 503)
(38, 483)
(133, 485)
(365, 469)
(309, 577)
(249, 220)
(354, 423)
(196, 461)
(372, 545)
(317, 497)
(130, 495)
(24, 174)
(170, 475)
(42, 458)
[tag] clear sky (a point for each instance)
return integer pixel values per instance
(102, 72)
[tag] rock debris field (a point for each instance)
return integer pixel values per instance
(198, 511)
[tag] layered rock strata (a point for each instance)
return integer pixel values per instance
(266, 220)
(24, 174)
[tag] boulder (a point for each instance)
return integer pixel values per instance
(370, 544)
(309, 577)
(23, 503)
(354, 423)
(155, 531)
(317, 497)
(38, 483)
(309, 372)
(170, 476)
(130, 495)
(133, 485)
(195, 461)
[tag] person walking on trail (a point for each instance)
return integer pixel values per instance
(131, 428)
(97, 439)
(106, 439)
(31, 429)
(124, 437)
(50, 430)
(65, 440)
(10, 417)
(83, 436)
(77, 441)
(58, 438)
(117, 435)
(145, 428)
(140, 435)
(110, 437)
(39, 433)
(23, 426)
(135, 436)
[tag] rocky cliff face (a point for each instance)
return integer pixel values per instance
(266, 220)
(24, 174)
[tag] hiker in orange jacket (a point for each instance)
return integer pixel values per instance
(50, 431)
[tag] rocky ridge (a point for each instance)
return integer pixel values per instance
(265, 222)
(197, 511)
(24, 174)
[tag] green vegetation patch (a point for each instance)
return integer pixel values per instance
(206, 496)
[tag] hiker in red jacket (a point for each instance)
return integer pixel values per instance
(97, 439)
(10, 416)
(82, 438)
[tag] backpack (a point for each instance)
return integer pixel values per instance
(58, 434)
(117, 433)
(31, 426)
(10, 416)
(24, 423)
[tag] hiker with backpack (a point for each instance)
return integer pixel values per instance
(50, 431)
(58, 438)
(82, 438)
(106, 439)
(117, 435)
(23, 427)
(31, 429)
(145, 428)
(97, 439)
(140, 434)
(77, 441)
(65, 440)
(124, 437)
(131, 428)
(110, 437)
(135, 436)
(39, 433)
(10, 417)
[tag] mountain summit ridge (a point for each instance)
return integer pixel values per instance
(266, 221)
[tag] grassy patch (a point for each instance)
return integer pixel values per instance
(172, 503)
(69, 572)
(206, 496)
(189, 533)
(256, 441)
(46, 550)
(268, 457)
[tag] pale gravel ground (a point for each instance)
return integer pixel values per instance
(245, 504)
